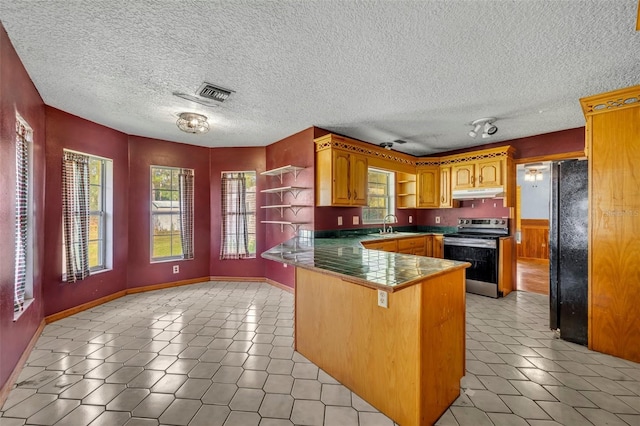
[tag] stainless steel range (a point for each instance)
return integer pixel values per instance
(476, 242)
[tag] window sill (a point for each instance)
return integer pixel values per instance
(172, 259)
(27, 303)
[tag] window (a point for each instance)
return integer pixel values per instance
(380, 196)
(24, 221)
(238, 215)
(87, 215)
(171, 213)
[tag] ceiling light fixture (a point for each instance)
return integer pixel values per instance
(191, 122)
(386, 145)
(487, 126)
(533, 172)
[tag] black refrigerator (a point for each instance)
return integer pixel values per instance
(568, 250)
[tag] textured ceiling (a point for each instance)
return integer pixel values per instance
(373, 70)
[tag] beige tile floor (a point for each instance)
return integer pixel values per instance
(221, 354)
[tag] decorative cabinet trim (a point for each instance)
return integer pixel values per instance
(333, 141)
(623, 98)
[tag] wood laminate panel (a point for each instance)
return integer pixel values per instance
(406, 360)
(614, 178)
(371, 350)
(534, 239)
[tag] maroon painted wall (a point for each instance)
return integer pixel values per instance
(297, 150)
(71, 132)
(18, 94)
(231, 160)
(570, 140)
(533, 146)
(143, 153)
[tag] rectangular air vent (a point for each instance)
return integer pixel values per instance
(210, 91)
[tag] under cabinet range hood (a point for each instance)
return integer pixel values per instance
(474, 193)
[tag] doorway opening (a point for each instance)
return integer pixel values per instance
(532, 226)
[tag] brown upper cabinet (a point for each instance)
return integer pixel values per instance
(342, 171)
(428, 186)
(478, 174)
(445, 187)
(341, 178)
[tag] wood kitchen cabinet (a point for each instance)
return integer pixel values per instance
(387, 245)
(405, 190)
(612, 129)
(478, 174)
(428, 187)
(341, 178)
(438, 246)
(445, 188)
(414, 245)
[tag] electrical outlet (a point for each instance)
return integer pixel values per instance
(410, 219)
(437, 219)
(176, 269)
(383, 299)
(494, 205)
(284, 265)
(339, 220)
(356, 220)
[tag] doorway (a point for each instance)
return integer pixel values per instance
(532, 225)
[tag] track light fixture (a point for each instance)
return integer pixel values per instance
(487, 126)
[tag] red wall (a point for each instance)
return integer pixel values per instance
(231, 160)
(533, 146)
(143, 153)
(71, 132)
(297, 150)
(18, 94)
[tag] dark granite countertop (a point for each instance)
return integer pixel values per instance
(346, 258)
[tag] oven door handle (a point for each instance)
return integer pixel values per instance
(469, 242)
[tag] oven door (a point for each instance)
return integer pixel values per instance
(482, 254)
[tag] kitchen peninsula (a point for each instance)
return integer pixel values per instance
(405, 359)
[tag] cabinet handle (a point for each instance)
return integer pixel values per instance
(348, 193)
(355, 194)
(442, 198)
(473, 179)
(480, 178)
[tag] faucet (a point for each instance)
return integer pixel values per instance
(384, 223)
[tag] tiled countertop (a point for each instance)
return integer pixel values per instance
(346, 258)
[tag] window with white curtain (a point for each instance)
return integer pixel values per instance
(238, 205)
(171, 213)
(381, 194)
(24, 220)
(87, 215)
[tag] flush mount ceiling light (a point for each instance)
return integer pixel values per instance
(191, 122)
(484, 124)
(533, 171)
(386, 145)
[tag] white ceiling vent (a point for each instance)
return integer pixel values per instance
(207, 95)
(209, 91)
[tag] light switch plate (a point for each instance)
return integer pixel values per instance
(339, 220)
(383, 299)
(356, 220)
(410, 219)
(437, 219)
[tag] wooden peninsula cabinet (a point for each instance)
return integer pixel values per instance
(613, 137)
(341, 178)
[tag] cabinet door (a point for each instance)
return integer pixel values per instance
(489, 173)
(445, 187)
(428, 246)
(428, 187)
(340, 191)
(359, 179)
(390, 245)
(463, 176)
(438, 246)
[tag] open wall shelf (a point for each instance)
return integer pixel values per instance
(293, 190)
(280, 171)
(294, 225)
(295, 208)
